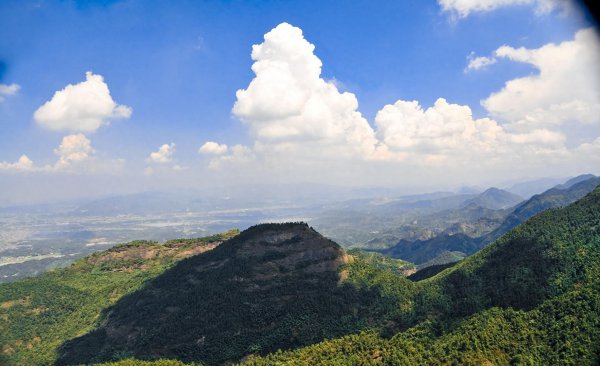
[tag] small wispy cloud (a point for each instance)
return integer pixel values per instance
(478, 62)
(463, 8)
(6, 89)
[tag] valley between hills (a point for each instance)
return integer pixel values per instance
(525, 292)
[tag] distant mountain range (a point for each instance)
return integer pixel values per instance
(429, 250)
(40, 237)
(529, 188)
(495, 199)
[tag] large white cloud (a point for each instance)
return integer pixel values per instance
(289, 106)
(8, 89)
(443, 128)
(566, 88)
(82, 107)
(463, 8)
(294, 114)
(303, 126)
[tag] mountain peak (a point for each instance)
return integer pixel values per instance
(280, 248)
(250, 291)
(495, 198)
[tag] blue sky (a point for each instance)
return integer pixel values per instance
(178, 64)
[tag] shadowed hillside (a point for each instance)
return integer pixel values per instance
(38, 314)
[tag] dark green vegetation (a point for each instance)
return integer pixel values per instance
(434, 250)
(530, 298)
(430, 271)
(563, 331)
(38, 314)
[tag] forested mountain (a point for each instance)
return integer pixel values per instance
(273, 286)
(38, 314)
(422, 251)
(532, 297)
(558, 196)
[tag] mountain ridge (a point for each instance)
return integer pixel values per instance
(421, 251)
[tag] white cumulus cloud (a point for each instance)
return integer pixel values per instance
(8, 89)
(73, 149)
(289, 106)
(238, 154)
(213, 148)
(565, 89)
(82, 107)
(23, 164)
(302, 126)
(75, 156)
(163, 155)
(441, 129)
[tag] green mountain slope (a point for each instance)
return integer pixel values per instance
(550, 254)
(38, 314)
(559, 196)
(531, 298)
(563, 331)
(273, 286)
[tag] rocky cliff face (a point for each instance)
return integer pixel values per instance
(288, 249)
